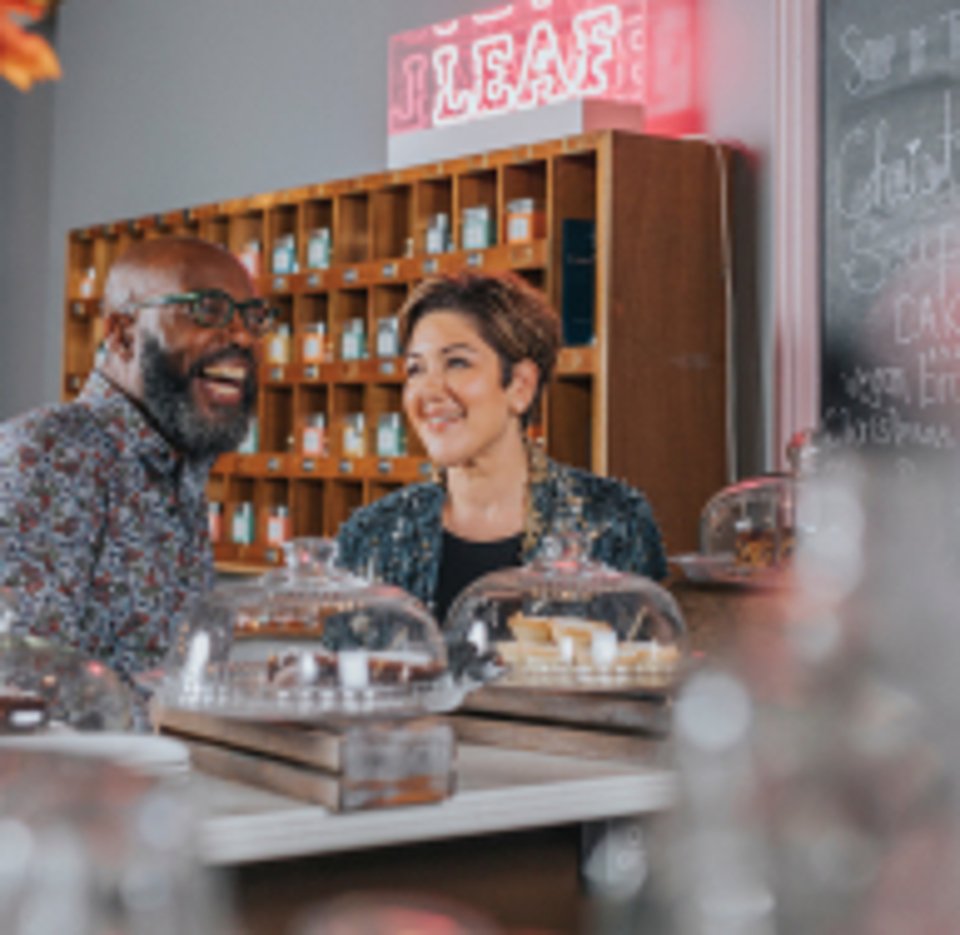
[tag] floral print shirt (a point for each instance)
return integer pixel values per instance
(103, 528)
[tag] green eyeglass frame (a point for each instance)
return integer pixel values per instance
(214, 308)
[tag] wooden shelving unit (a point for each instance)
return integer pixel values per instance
(645, 400)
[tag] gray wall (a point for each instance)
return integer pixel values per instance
(165, 104)
(30, 342)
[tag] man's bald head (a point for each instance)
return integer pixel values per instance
(188, 260)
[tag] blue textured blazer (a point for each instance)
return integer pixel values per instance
(400, 537)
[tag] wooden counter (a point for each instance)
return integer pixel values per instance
(498, 790)
(507, 844)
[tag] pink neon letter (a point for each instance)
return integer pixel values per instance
(543, 77)
(407, 108)
(452, 103)
(492, 58)
(596, 31)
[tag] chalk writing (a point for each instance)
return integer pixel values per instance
(891, 221)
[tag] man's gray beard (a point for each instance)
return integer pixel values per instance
(168, 399)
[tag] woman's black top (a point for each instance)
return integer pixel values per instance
(463, 561)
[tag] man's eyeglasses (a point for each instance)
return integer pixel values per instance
(214, 308)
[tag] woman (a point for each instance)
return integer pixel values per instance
(479, 350)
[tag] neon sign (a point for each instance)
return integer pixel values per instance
(531, 53)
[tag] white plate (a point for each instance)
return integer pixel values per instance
(146, 753)
(722, 569)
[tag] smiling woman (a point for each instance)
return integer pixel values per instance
(479, 352)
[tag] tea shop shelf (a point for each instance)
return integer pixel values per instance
(647, 289)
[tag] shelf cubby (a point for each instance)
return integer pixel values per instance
(276, 419)
(392, 221)
(281, 221)
(216, 229)
(348, 305)
(432, 196)
(474, 190)
(308, 508)
(344, 496)
(351, 234)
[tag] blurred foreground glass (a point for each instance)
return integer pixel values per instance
(825, 800)
(91, 848)
(394, 914)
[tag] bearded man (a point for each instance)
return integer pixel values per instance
(103, 510)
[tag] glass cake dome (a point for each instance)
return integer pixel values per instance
(309, 642)
(748, 531)
(564, 622)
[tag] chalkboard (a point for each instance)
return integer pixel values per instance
(890, 215)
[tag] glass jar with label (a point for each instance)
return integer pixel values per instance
(388, 336)
(353, 340)
(251, 441)
(215, 521)
(354, 431)
(438, 236)
(88, 282)
(312, 342)
(243, 525)
(249, 257)
(315, 434)
(476, 228)
(285, 254)
(526, 220)
(391, 436)
(278, 525)
(319, 248)
(278, 345)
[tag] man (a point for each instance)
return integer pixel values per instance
(103, 512)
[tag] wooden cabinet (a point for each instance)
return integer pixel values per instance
(644, 400)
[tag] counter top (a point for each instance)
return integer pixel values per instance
(498, 791)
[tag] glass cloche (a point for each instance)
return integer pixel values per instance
(567, 623)
(309, 642)
(748, 531)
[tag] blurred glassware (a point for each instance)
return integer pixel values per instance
(394, 914)
(827, 799)
(90, 848)
(74, 690)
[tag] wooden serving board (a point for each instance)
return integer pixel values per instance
(298, 782)
(650, 714)
(607, 725)
(341, 766)
(515, 734)
(317, 747)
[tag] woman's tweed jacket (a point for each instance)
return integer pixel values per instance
(399, 538)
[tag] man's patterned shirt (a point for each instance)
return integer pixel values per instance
(103, 527)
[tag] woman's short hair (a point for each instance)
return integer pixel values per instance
(512, 317)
